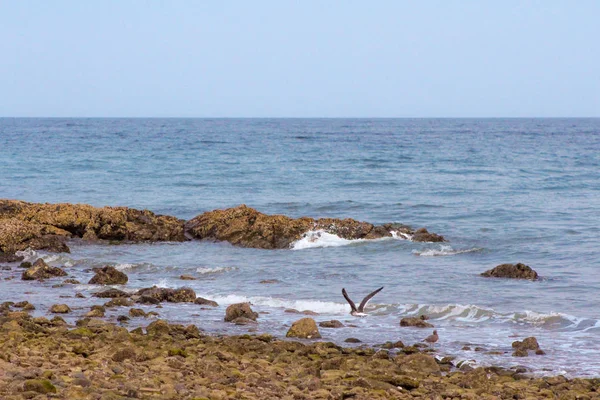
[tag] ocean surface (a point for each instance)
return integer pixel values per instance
(500, 190)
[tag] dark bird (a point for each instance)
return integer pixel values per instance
(432, 338)
(360, 311)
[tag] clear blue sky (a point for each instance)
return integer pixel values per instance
(300, 58)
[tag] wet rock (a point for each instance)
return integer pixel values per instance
(181, 295)
(305, 328)
(416, 322)
(71, 282)
(244, 321)
(7, 257)
(119, 302)
(40, 271)
(513, 271)
(96, 312)
(334, 323)
(123, 318)
(205, 302)
(309, 312)
(111, 294)
(158, 328)
(238, 310)
(24, 222)
(422, 235)
(5, 268)
(268, 281)
(25, 305)
(25, 265)
(51, 243)
(187, 278)
(60, 309)
(108, 276)
(352, 340)
(393, 345)
(418, 364)
(522, 347)
(246, 227)
(137, 312)
(79, 295)
(291, 311)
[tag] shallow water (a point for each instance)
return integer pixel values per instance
(500, 191)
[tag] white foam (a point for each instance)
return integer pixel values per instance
(215, 270)
(320, 238)
(444, 250)
(28, 254)
(124, 266)
(401, 235)
(322, 307)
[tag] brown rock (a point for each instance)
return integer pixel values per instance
(40, 270)
(514, 271)
(416, 322)
(418, 364)
(305, 328)
(235, 311)
(136, 312)
(60, 309)
(422, 235)
(108, 276)
(244, 321)
(334, 323)
(187, 278)
(119, 302)
(158, 328)
(181, 295)
(25, 305)
(352, 340)
(111, 294)
(205, 302)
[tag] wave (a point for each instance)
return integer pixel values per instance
(321, 238)
(444, 250)
(215, 270)
(322, 307)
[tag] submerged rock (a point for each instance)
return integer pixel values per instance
(522, 347)
(111, 294)
(205, 302)
(108, 276)
(40, 270)
(246, 227)
(514, 271)
(416, 322)
(334, 323)
(238, 310)
(305, 328)
(181, 295)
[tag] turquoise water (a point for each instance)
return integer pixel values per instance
(514, 190)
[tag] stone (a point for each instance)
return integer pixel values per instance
(158, 328)
(415, 322)
(119, 302)
(181, 295)
(136, 312)
(205, 302)
(60, 309)
(71, 281)
(240, 310)
(418, 364)
(108, 276)
(25, 305)
(513, 271)
(334, 323)
(187, 278)
(522, 347)
(352, 340)
(244, 321)
(305, 328)
(111, 294)
(422, 235)
(43, 386)
(40, 271)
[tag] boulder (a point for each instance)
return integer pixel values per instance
(238, 310)
(246, 227)
(60, 309)
(334, 323)
(111, 294)
(416, 322)
(305, 328)
(205, 302)
(422, 235)
(40, 270)
(418, 364)
(108, 276)
(5, 257)
(181, 295)
(513, 271)
(136, 313)
(522, 347)
(119, 302)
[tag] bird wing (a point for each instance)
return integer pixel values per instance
(363, 303)
(352, 305)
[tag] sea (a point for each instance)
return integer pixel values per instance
(499, 190)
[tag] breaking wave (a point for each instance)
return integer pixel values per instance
(444, 250)
(321, 238)
(322, 307)
(215, 270)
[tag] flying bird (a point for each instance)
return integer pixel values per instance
(360, 311)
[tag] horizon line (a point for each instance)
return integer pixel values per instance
(205, 117)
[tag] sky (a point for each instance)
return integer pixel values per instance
(303, 58)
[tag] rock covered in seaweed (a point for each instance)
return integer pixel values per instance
(46, 226)
(40, 271)
(239, 310)
(246, 227)
(305, 328)
(108, 276)
(513, 271)
(181, 295)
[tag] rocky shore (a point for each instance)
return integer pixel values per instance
(48, 227)
(42, 358)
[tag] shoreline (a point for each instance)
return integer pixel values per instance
(41, 358)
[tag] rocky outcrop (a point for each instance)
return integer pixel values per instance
(206, 302)
(240, 310)
(108, 276)
(513, 271)
(112, 294)
(415, 322)
(246, 227)
(40, 271)
(305, 328)
(522, 347)
(181, 295)
(47, 226)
